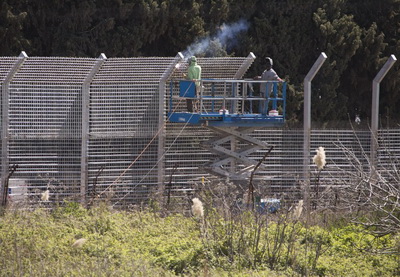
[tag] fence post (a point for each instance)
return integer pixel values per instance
(307, 127)
(5, 89)
(375, 110)
(85, 125)
(162, 119)
(245, 66)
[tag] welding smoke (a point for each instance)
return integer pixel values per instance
(225, 36)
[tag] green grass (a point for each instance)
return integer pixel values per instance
(143, 243)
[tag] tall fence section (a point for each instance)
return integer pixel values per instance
(89, 128)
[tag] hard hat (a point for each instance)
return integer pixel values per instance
(269, 61)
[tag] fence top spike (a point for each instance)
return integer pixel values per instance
(102, 56)
(180, 55)
(384, 70)
(23, 55)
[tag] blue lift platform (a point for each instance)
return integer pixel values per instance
(229, 103)
(232, 109)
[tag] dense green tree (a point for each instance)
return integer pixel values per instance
(214, 12)
(356, 80)
(183, 26)
(340, 36)
(380, 21)
(284, 30)
(12, 37)
(59, 27)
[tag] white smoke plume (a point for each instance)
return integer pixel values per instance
(226, 36)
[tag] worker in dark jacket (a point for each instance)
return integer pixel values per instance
(268, 75)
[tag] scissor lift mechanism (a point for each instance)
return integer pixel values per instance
(226, 107)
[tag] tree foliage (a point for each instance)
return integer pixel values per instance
(11, 30)
(357, 36)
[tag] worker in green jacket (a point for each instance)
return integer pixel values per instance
(194, 74)
(194, 70)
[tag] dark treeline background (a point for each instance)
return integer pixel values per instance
(357, 35)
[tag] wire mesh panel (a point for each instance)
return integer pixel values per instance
(222, 67)
(6, 65)
(45, 108)
(185, 156)
(389, 154)
(284, 163)
(124, 128)
(389, 146)
(338, 144)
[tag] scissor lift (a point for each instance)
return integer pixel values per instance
(232, 109)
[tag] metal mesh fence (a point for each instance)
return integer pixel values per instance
(389, 154)
(86, 128)
(44, 128)
(124, 128)
(7, 64)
